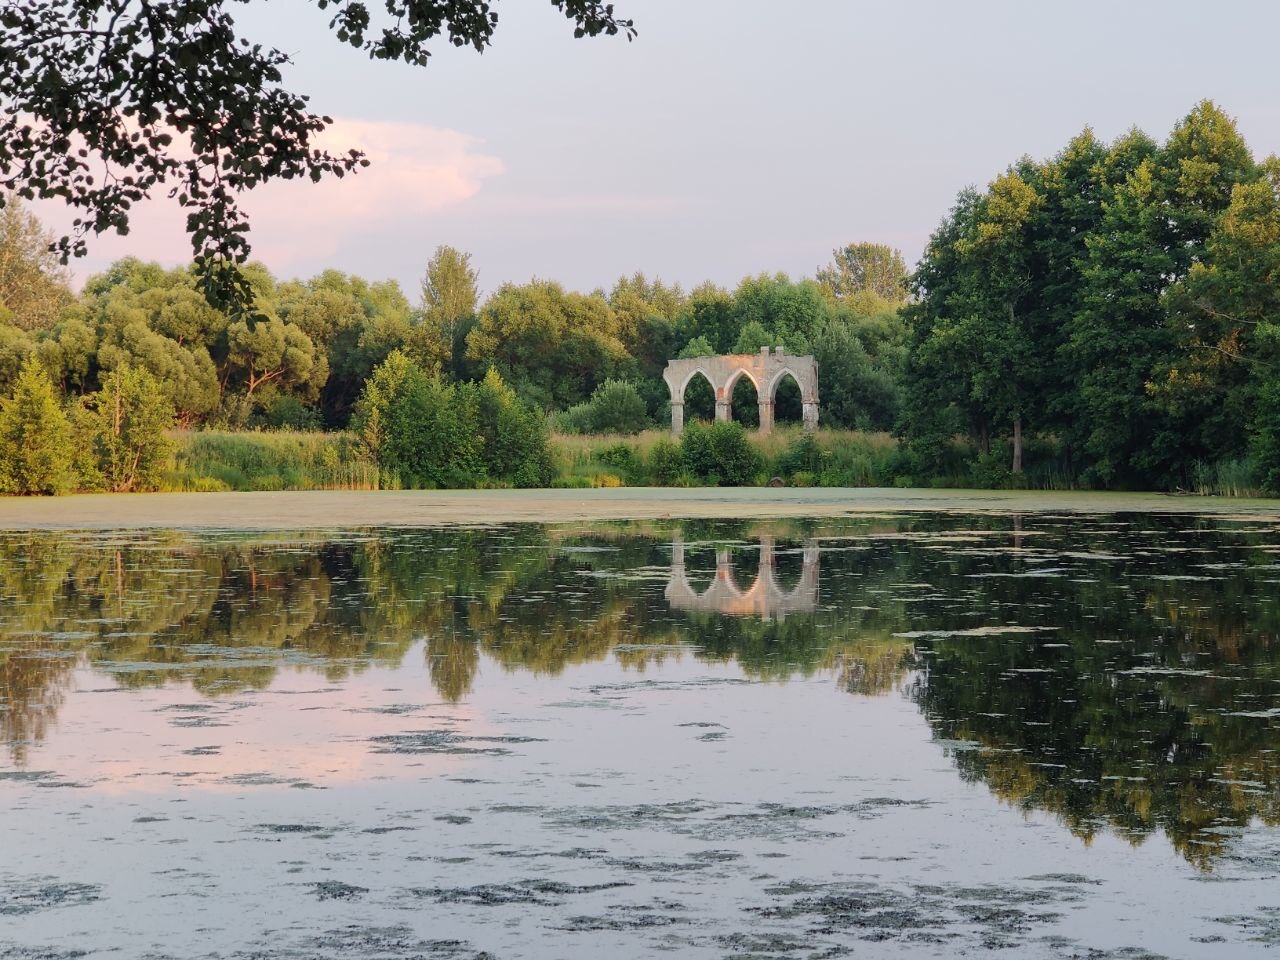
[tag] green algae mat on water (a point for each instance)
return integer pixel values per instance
(900, 735)
(338, 509)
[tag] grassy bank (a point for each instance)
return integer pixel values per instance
(210, 460)
(833, 458)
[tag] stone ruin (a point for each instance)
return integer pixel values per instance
(766, 598)
(765, 370)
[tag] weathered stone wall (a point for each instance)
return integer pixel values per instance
(765, 370)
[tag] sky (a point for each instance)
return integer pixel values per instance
(731, 137)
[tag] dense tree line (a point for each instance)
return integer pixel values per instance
(1120, 301)
(304, 361)
(456, 391)
(104, 103)
(1109, 317)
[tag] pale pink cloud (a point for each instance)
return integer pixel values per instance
(413, 170)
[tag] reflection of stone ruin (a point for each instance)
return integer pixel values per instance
(766, 598)
(765, 370)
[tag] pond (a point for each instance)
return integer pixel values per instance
(892, 736)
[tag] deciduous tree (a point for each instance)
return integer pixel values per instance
(553, 346)
(34, 284)
(862, 268)
(125, 426)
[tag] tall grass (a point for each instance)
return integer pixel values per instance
(846, 458)
(589, 460)
(215, 460)
(1229, 478)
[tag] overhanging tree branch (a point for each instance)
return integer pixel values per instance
(166, 94)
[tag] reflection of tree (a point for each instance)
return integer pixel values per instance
(1097, 752)
(871, 664)
(453, 665)
(32, 685)
(1149, 704)
(1130, 715)
(227, 614)
(33, 675)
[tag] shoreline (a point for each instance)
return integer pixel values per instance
(333, 509)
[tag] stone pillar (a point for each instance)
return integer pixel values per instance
(809, 573)
(677, 418)
(767, 565)
(766, 416)
(809, 562)
(809, 413)
(724, 413)
(724, 568)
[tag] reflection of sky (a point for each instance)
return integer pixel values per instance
(676, 766)
(299, 731)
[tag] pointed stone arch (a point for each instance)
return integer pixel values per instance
(693, 373)
(690, 380)
(765, 597)
(732, 388)
(764, 369)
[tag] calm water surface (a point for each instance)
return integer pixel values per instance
(894, 736)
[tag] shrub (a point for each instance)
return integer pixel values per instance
(621, 456)
(35, 436)
(426, 433)
(803, 455)
(285, 411)
(432, 439)
(991, 471)
(665, 464)
(615, 407)
(696, 455)
(577, 419)
(720, 453)
(515, 445)
(416, 427)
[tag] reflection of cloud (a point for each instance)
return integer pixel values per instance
(414, 170)
(295, 734)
